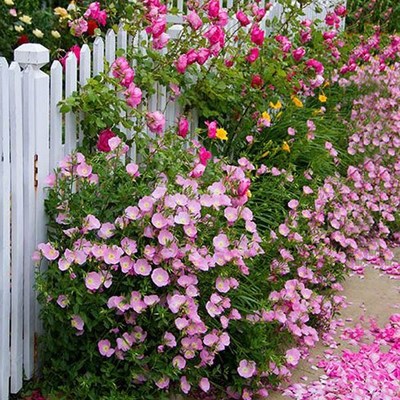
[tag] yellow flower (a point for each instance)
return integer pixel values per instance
(276, 106)
(19, 28)
(222, 134)
(38, 33)
(322, 98)
(9, 2)
(297, 102)
(266, 116)
(318, 111)
(248, 194)
(26, 19)
(61, 12)
(286, 147)
(55, 34)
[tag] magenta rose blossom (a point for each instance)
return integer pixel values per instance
(104, 137)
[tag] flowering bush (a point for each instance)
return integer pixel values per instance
(148, 274)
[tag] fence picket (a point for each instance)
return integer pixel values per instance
(29, 217)
(17, 223)
(122, 38)
(71, 85)
(98, 56)
(56, 91)
(110, 46)
(84, 75)
(4, 231)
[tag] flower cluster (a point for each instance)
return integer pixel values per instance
(90, 21)
(180, 251)
(126, 74)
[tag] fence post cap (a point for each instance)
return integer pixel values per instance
(32, 54)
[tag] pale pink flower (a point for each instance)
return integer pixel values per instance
(112, 255)
(105, 349)
(160, 277)
(185, 385)
(293, 356)
(106, 231)
(77, 322)
(62, 301)
(204, 384)
(91, 223)
(179, 362)
(142, 267)
(133, 170)
(146, 204)
(222, 284)
(221, 242)
(132, 213)
(246, 369)
(163, 382)
(48, 251)
(94, 280)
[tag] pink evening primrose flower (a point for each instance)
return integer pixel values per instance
(246, 368)
(48, 251)
(132, 169)
(293, 356)
(160, 277)
(112, 255)
(204, 384)
(77, 322)
(94, 280)
(105, 349)
(142, 267)
(163, 383)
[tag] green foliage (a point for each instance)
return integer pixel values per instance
(364, 14)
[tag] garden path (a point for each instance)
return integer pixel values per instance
(375, 294)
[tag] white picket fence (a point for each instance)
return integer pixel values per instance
(31, 144)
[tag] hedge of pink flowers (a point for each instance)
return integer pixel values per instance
(157, 279)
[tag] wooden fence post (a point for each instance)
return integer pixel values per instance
(4, 230)
(36, 101)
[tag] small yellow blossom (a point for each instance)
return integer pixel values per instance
(286, 147)
(61, 12)
(222, 134)
(276, 106)
(38, 33)
(9, 2)
(322, 98)
(26, 19)
(248, 194)
(266, 116)
(297, 102)
(55, 34)
(19, 28)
